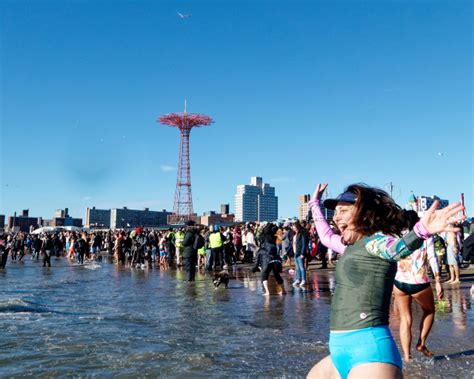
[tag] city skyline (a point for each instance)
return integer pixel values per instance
(297, 214)
(301, 93)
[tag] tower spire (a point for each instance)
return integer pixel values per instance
(183, 202)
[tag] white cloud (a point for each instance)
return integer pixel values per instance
(86, 198)
(166, 168)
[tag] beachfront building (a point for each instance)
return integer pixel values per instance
(214, 218)
(61, 218)
(412, 203)
(423, 203)
(256, 202)
(225, 209)
(97, 218)
(303, 208)
(23, 223)
(131, 218)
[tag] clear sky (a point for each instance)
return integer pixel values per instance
(300, 92)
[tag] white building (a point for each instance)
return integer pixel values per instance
(256, 202)
(421, 204)
(425, 202)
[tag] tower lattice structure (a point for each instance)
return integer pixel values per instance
(183, 200)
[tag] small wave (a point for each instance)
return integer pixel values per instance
(95, 318)
(92, 266)
(21, 306)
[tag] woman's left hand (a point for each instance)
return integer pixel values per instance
(442, 220)
(439, 291)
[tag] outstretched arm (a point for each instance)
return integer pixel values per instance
(327, 236)
(434, 221)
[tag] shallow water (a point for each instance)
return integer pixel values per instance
(105, 321)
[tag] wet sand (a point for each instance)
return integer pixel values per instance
(103, 320)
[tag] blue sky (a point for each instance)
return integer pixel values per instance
(300, 92)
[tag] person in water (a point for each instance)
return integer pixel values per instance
(268, 260)
(413, 283)
(370, 224)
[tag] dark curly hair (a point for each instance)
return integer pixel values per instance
(411, 218)
(376, 211)
(268, 234)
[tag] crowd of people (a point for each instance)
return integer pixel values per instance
(142, 248)
(296, 242)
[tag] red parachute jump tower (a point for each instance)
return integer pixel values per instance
(183, 200)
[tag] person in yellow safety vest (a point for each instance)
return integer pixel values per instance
(178, 242)
(216, 244)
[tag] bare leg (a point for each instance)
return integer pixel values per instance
(281, 289)
(375, 370)
(403, 304)
(451, 274)
(266, 292)
(324, 369)
(456, 274)
(426, 300)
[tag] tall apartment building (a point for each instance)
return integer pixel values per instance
(131, 218)
(303, 208)
(256, 202)
(97, 218)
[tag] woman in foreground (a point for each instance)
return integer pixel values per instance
(370, 225)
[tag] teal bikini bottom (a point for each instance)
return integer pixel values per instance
(368, 345)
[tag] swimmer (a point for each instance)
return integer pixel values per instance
(268, 260)
(370, 225)
(413, 283)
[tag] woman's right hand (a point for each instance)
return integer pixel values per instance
(318, 192)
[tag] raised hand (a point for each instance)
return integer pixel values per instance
(318, 192)
(442, 220)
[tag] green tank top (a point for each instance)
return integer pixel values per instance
(364, 283)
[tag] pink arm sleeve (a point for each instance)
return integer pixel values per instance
(421, 231)
(328, 238)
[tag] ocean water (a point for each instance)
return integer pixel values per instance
(100, 320)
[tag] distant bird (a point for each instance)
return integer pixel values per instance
(183, 16)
